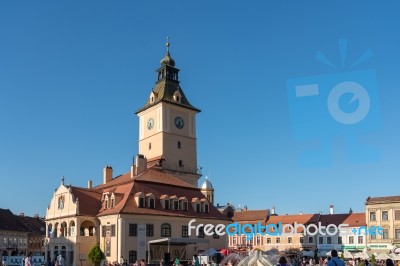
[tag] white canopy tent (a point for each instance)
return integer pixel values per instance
(381, 256)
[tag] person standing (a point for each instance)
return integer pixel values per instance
(196, 261)
(28, 260)
(335, 261)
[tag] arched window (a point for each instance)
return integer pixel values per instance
(165, 230)
(72, 228)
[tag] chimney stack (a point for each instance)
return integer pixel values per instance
(36, 215)
(141, 164)
(331, 210)
(22, 214)
(89, 184)
(107, 174)
(273, 210)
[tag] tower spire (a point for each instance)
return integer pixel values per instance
(167, 44)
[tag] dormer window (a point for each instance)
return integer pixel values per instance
(165, 202)
(175, 203)
(106, 202)
(198, 207)
(177, 96)
(206, 207)
(139, 198)
(153, 96)
(183, 203)
(196, 204)
(112, 202)
(150, 201)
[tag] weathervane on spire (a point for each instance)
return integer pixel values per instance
(167, 44)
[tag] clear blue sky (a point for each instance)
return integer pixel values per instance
(72, 73)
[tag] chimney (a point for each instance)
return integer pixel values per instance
(22, 214)
(301, 213)
(36, 215)
(89, 184)
(273, 210)
(141, 164)
(331, 209)
(245, 207)
(107, 174)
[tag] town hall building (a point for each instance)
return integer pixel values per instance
(144, 213)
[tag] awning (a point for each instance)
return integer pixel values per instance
(178, 241)
(170, 241)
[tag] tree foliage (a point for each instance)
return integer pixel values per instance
(373, 260)
(95, 256)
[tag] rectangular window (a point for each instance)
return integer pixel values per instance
(201, 232)
(180, 163)
(310, 240)
(289, 239)
(329, 240)
(176, 205)
(397, 214)
(198, 207)
(152, 203)
(373, 236)
(397, 232)
(351, 239)
(166, 204)
(185, 206)
(320, 240)
(141, 202)
(385, 234)
(360, 239)
(185, 231)
(258, 240)
(234, 240)
(301, 240)
(113, 230)
(132, 229)
(372, 216)
(278, 240)
(132, 256)
(340, 241)
(103, 231)
(215, 235)
(268, 240)
(385, 216)
(206, 208)
(149, 230)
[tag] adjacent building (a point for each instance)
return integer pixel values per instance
(385, 213)
(20, 234)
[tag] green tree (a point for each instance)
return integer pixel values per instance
(373, 259)
(95, 256)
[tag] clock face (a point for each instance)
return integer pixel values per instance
(150, 123)
(179, 122)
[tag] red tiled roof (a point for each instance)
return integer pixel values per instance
(89, 200)
(382, 199)
(353, 219)
(155, 175)
(160, 184)
(250, 216)
(293, 218)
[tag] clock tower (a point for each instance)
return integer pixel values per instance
(167, 125)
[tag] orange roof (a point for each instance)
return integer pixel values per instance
(352, 219)
(89, 200)
(160, 184)
(293, 218)
(250, 216)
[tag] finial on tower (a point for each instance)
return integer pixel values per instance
(167, 44)
(62, 180)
